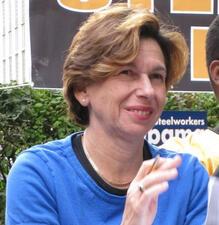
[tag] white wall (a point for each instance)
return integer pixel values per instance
(15, 58)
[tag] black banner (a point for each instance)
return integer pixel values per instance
(53, 23)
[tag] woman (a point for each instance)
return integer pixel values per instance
(116, 75)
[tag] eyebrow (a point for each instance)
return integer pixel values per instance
(158, 68)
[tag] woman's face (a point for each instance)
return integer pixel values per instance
(129, 103)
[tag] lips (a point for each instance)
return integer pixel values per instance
(140, 112)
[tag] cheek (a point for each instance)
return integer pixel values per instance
(104, 100)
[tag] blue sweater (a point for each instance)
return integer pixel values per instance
(48, 184)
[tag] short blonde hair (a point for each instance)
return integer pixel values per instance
(109, 39)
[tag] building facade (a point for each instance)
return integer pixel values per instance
(15, 57)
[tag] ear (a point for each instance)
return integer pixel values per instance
(82, 97)
(214, 71)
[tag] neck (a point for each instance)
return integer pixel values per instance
(112, 162)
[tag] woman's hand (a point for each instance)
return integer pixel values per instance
(142, 195)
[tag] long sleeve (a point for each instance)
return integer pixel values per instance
(30, 192)
(198, 201)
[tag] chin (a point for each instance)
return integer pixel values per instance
(138, 132)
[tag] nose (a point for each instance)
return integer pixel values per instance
(144, 87)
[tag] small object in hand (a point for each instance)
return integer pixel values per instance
(153, 167)
(155, 164)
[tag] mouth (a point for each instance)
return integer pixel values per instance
(140, 112)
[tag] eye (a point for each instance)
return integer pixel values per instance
(158, 76)
(126, 72)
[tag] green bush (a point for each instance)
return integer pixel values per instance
(30, 116)
(195, 102)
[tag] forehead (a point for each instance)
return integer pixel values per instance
(150, 45)
(150, 52)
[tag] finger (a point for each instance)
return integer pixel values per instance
(153, 192)
(161, 164)
(159, 176)
(146, 165)
(168, 163)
